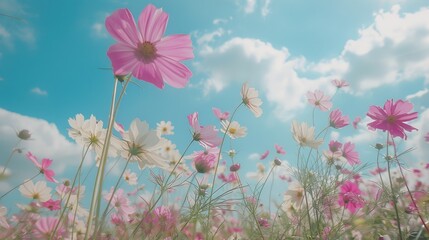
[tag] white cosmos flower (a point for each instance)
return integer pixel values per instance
(294, 196)
(76, 125)
(251, 100)
(142, 144)
(234, 129)
(304, 135)
(167, 147)
(130, 177)
(38, 191)
(164, 128)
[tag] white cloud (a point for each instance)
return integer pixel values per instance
(46, 142)
(209, 37)
(98, 30)
(259, 63)
(251, 5)
(39, 91)
(254, 156)
(418, 94)
(417, 140)
(218, 21)
(394, 48)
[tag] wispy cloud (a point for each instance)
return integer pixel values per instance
(98, 30)
(39, 91)
(418, 94)
(250, 6)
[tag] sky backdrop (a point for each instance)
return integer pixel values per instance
(53, 65)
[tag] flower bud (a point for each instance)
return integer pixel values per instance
(24, 134)
(379, 146)
(234, 167)
(277, 162)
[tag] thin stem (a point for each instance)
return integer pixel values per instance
(394, 201)
(10, 157)
(96, 194)
(20, 185)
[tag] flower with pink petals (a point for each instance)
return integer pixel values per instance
(120, 203)
(251, 100)
(377, 171)
(142, 51)
(356, 122)
(427, 137)
(3, 220)
(279, 149)
(340, 83)
(43, 167)
(220, 115)
(349, 196)
(52, 204)
(264, 155)
(45, 226)
(319, 100)
(205, 135)
(334, 152)
(350, 154)
(392, 118)
(337, 120)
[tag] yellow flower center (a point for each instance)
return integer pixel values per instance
(232, 130)
(391, 119)
(146, 52)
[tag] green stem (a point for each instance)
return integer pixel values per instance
(20, 185)
(10, 157)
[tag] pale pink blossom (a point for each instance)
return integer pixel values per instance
(392, 117)
(349, 154)
(279, 149)
(356, 122)
(52, 204)
(219, 114)
(120, 203)
(340, 83)
(205, 135)
(337, 120)
(142, 51)
(319, 100)
(264, 155)
(45, 226)
(427, 137)
(43, 167)
(251, 100)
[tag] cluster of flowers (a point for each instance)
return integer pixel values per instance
(326, 198)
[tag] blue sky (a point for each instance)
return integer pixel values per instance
(51, 52)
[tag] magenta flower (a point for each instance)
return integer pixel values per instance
(142, 51)
(350, 154)
(43, 167)
(279, 149)
(356, 122)
(392, 117)
(264, 155)
(349, 196)
(219, 114)
(340, 83)
(337, 120)
(52, 204)
(204, 161)
(319, 100)
(206, 135)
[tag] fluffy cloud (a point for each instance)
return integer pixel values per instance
(259, 63)
(251, 5)
(417, 140)
(46, 142)
(39, 91)
(394, 48)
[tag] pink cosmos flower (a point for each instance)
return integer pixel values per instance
(279, 149)
(206, 135)
(264, 155)
(52, 204)
(340, 83)
(356, 122)
(319, 100)
(232, 177)
(349, 154)
(427, 137)
(43, 167)
(337, 120)
(377, 171)
(219, 114)
(121, 203)
(205, 162)
(45, 226)
(142, 51)
(334, 151)
(392, 117)
(349, 196)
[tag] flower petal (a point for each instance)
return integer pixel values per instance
(174, 73)
(123, 58)
(149, 73)
(152, 23)
(177, 47)
(122, 27)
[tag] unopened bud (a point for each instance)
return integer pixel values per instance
(24, 134)
(277, 162)
(388, 157)
(66, 183)
(379, 146)
(234, 167)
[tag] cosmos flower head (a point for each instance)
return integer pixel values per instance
(143, 52)
(392, 117)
